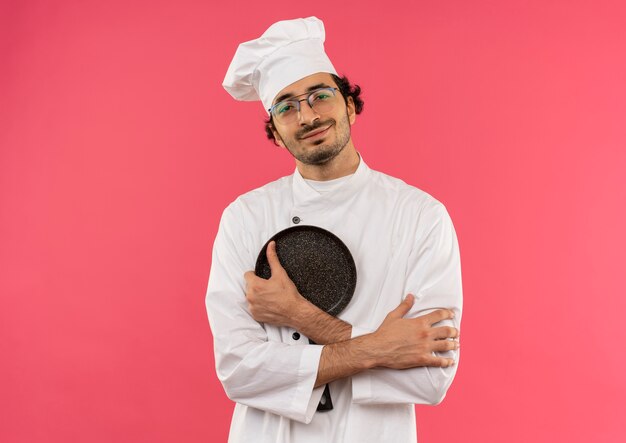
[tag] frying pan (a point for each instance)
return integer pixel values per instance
(321, 267)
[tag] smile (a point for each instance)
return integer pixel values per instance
(316, 134)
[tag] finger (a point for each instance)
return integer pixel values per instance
(272, 259)
(445, 345)
(443, 332)
(439, 362)
(437, 316)
(404, 307)
(250, 276)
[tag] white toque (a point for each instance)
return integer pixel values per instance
(288, 51)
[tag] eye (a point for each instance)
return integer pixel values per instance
(322, 95)
(284, 107)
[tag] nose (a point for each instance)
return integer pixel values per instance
(307, 114)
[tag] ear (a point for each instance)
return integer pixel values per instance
(351, 109)
(277, 138)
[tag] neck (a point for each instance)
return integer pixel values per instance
(345, 163)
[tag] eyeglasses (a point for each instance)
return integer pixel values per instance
(320, 100)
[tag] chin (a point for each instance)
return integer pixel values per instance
(320, 156)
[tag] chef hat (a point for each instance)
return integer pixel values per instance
(288, 51)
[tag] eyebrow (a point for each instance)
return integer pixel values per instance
(309, 89)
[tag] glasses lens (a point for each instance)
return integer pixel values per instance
(322, 100)
(286, 111)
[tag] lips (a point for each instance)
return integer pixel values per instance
(317, 132)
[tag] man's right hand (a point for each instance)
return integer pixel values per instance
(399, 343)
(402, 343)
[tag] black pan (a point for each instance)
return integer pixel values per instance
(319, 264)
(321, 267)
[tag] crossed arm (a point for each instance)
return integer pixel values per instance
(398, 343)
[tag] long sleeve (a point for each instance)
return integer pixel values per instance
(434, 276)
(255, 371)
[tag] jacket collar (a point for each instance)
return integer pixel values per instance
(306, 196)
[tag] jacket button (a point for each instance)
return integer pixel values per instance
(295, 336)
(296, 220)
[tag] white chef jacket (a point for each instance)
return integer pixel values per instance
(402, 241)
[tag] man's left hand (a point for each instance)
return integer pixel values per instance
(276, 300)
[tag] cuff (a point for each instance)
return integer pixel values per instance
(362, 388)
(307, 397)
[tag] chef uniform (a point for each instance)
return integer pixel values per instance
(402, 241)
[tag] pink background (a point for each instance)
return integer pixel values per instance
(119, 150)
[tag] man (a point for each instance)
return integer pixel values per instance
(395, 344)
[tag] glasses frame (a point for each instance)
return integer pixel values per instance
(298, 101)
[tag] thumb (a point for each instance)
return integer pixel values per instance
(272, 259)
(403, 308)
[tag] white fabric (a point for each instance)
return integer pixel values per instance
(288, 51)
(402, 241)
(324, 187)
